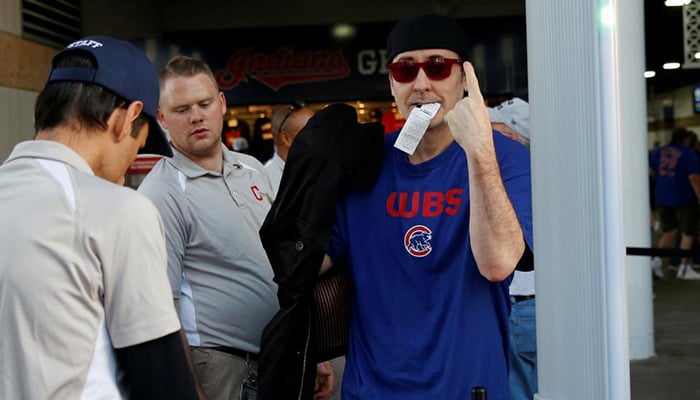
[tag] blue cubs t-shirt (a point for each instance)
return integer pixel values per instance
(425, 324)
(672, 164)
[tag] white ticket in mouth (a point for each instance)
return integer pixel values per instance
(415, 127)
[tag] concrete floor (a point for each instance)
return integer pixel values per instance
(674, 374)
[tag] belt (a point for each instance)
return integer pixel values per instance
(236, 352)
(518, 298)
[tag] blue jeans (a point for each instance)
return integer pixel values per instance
(523, 350)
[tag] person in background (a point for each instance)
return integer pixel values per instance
(286, 122)
(213, 202)
(376, 115)
(432, 246)
(654, 220)
(236, 135)
(676, 174)
(261, 144)
(512, 118)
(85, 308)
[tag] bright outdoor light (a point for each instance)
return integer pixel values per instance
(343, 31)
(676, 3)
(649, 74)
(672, 65)
(607, 15)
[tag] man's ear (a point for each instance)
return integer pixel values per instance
(222, 100)
(161, 118)
(123, 119)
(287, 138)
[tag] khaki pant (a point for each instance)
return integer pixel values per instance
(338, 368)
(221, 374)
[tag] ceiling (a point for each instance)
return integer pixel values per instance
(137, 18)
(664, 43)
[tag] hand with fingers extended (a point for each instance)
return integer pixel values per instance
(469, 119)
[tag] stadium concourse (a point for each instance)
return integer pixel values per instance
(673, 373)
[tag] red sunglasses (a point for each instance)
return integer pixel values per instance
(436, 69)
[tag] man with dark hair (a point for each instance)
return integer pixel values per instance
(676, 175)
(432, 246)
(85, 310)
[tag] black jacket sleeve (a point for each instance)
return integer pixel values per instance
(156, 369)
(332, 154)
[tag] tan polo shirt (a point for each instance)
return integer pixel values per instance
(82, 270)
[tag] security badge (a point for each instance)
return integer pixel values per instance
(249, 390)
(249, 387)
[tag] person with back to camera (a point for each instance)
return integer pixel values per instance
(512, 118)
(85, 307)
(286, 122)
(431, 248)
(676, 173)
(213, 202)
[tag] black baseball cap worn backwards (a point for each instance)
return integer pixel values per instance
(123, 69)
(426, 32)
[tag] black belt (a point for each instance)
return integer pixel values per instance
(236, 352)
(518, 298)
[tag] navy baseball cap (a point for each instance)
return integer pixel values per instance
(123, 69)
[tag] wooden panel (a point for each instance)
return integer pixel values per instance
(17, 114)
(23, 64)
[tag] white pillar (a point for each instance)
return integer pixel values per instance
(574, 92)
(635, 185)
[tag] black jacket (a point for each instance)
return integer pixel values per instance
(333, 153)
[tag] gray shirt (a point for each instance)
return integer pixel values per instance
(274, 167)
(82, 270)
(217, 266)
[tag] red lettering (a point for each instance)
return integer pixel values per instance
(432, 204)
(256, 193)
(283, 67)
(454, 201)
(235, 71)
(402, 210)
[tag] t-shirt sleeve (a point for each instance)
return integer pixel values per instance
(337, 244)
(137, 300)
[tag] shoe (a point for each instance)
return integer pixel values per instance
(657, 268)
(686, 272)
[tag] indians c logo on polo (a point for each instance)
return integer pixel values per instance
(417, 241)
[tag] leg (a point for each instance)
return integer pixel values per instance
(687, 217)
(221, 374)
(523, 351)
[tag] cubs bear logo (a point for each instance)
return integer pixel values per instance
(417, 241)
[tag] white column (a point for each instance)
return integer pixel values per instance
(635, 181)
(575, 95)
